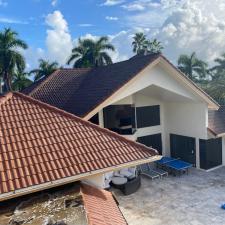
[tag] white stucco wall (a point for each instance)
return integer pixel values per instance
(182, 112)
(159, 77)
(188, 119)
(223, 151)
(95, 180)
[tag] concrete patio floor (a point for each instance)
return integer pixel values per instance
(187, 200)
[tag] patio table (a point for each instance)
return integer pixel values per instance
(179, 165)
(164, 160)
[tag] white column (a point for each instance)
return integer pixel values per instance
(223, 151)
(197, 153)
(101, 118)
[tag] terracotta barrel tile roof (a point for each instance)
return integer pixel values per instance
(40, 143)
(100, 207)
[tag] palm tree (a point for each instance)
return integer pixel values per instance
(90, 53)
(216, 89)
(193, 67)
(45, 69)
(20, 80)
(155, 46)
(140, 43)
(80, 55)
(219, 69)
(10, 57)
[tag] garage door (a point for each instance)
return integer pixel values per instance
(183, 147)
(210, 153)
(154, 141)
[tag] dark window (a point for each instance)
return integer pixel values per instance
(210, 153)
(148, 116)
(154, 141)
(120, 118)
(94, 119)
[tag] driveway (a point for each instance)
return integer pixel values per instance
(193, 199)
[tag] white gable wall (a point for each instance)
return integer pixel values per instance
(187, 118)
(159, 77)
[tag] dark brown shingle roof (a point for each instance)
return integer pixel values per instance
(216, 120)
(79, 91)
(41, 144)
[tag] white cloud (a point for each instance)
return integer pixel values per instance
(32, 56)
(113, 2)
(111, 18)
(54, 2)
(141, 5)
(182, 26)
(58, 40)
(12, 21)
(3, 3)
(133, 7)
(85, 25)
(198, 26)
(149, 14)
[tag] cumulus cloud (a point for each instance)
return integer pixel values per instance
(112, 2)
(196, 26)
(32, 56)
(182, 26)
(58, 41)
(111, 18)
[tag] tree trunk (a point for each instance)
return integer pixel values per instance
(7, 82)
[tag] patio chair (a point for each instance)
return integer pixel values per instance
(159, 171)
(146, 171)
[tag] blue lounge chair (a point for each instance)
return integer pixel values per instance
(159, 171)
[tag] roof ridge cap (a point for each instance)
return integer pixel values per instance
(72, 116)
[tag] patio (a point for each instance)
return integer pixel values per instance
(187, 200)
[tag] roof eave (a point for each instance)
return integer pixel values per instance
(48, 185)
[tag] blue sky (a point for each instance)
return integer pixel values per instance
(51, 27)
(89, 16)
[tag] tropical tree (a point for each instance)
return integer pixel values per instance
(91, 53)
(140, 43)
(193, 67)
(45, 69)
(154, 47)
(80, 55)
(10, 56)
(218, 70)
(216, 85)
(20, 80)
